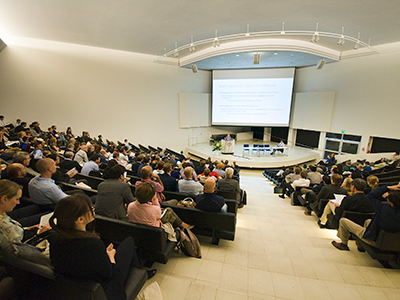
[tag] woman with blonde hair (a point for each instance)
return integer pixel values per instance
(347, 183)
(373, 183)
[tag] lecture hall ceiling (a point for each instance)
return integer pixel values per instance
(153, 26)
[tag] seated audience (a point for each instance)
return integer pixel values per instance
(114, 194)
(209, 201)
(69, 248)
(37, 153)
(325, 193)
(11, 231)
(208, 174)
(17, 174)
(146, 209)
(289, 188)
(42, 189)
(147, 175)
(187, 185)
(348, 185)
(358, 202)
(231, 185)
(372, 182)
(81, 156)
(91, 165)
(68, 164)
(169, 182)
(387, 217)
(200, 169)
(314, 176)
(220, 169)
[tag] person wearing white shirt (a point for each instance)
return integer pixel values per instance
(288, 189)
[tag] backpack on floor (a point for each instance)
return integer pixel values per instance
(189, 244)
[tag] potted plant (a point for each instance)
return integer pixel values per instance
(217, 146)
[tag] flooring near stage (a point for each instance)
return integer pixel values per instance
(252, 159)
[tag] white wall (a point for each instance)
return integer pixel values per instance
(113, 93)
(367, 92)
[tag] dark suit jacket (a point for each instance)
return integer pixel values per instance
(66, 165)
(169, 182)
(358, 203)
(328, 191)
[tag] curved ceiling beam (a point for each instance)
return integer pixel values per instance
(260, 45)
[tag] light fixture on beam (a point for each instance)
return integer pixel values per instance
(341, 39)
(191, 47)
(256, 59)
(216, 40)
(357, 45)
(176, 53)
(248, 30)
(283, 28)
(315, 37)
(194, 68)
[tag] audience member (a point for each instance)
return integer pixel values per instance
(209, 201)
(81, 156)
(67, 163)
(372, 182)
(42, 189)
(146, 209)
(17, 174)
(314, 176)
(147, 175)
(289, 188)
(169, 182)
(348, 185)
(187, 185)
(327, 192)
(231, 185)
(114, 194)
(387, 217)
(358, 202)
(91, 165)
(69, 248)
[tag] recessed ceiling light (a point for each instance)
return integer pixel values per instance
(275, 53)
(237, 54)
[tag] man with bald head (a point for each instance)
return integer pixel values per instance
(209, 201)
(42, 188)
(188, 185)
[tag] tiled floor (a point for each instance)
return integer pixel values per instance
(278, 253)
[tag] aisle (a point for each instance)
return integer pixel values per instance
(278, 253)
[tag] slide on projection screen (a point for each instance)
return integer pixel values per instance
(258, 97)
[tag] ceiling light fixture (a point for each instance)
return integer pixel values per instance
(248, 30)
(357, 45)
(216, 40)
(191, 47)
(315, 37)
(283, 28)
(176, 53)
(256, 60)
(341, 39)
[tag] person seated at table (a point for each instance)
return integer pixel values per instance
(69, 248)
(281, 144)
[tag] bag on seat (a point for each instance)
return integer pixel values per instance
(187, 202)
(189, 244)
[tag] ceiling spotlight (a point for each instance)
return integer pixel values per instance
(256, 60)
(283, 28)
(315, 37)
(194, 68)
(191, 47)
(216, 40)
(341, 40)
(357, 45)
(176, 53)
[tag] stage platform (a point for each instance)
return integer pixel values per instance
(292, 156)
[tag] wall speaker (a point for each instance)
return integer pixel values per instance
(194, 68)
(320, 64)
